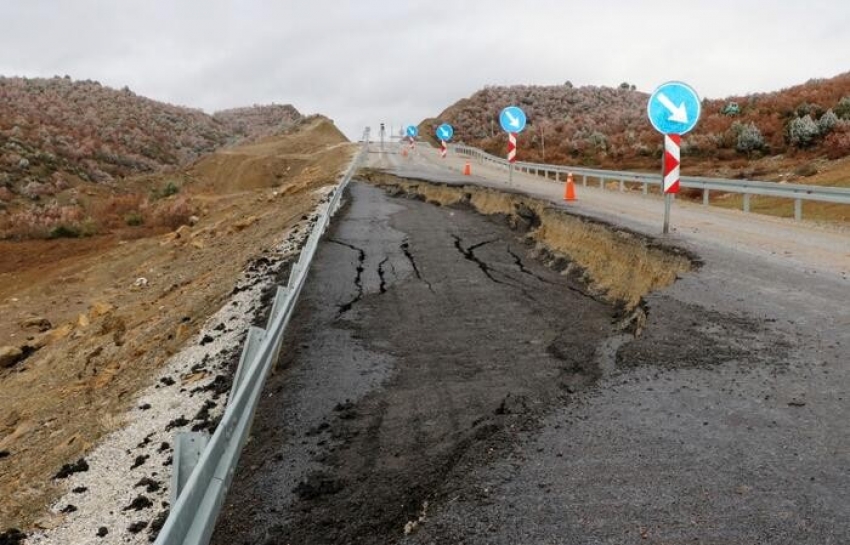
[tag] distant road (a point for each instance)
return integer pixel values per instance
(439, 385)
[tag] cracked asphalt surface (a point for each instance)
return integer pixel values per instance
(438, 385)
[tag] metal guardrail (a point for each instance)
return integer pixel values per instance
(204, 466)
(797, 192)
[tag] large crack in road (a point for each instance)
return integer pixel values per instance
(455, 410)
(358, 277)
(470, 369)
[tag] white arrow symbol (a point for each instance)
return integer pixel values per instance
(444, 133)
(678, 113)
(512, 121)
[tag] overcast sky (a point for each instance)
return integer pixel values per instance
(363, 62)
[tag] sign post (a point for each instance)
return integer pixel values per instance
(513, 121)
(670, 166)
(673, 109)
(412, 131)
(511, 155)
(444, 133)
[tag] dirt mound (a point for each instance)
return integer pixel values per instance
(308, 152)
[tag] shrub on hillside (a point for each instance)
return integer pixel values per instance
(40, 221)
(173, 213)
(802, 131)
(134, 219)
(806, 170)
(170, 189)
(842, 110)
(731, 109)
(837, 144)
(807, 109)
(64, 231)
(827, 122)
(749, 138)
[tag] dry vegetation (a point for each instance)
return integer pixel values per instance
(67, 146)
(789, 134)
(89, 335)
(258, 121)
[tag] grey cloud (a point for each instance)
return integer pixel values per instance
(400, 61)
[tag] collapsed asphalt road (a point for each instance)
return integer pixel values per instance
(438, 385)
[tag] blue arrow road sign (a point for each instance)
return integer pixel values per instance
(411, 131)
(445, 132)
(512, 119)
(674, 108)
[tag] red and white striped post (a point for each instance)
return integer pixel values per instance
(511, 155)
(670, 173)
(443, 149)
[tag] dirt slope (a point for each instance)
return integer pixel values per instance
(107, 331)
(298, 154)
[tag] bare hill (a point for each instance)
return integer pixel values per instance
(602, 126)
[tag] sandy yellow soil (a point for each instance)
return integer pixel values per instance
(111, 309)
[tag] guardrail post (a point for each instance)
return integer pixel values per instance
(601, 182)
(705, 196)
(293, 273)
(557, 176)
(746, 202)
(584, 180)
(279, 299)
(188, 447)
(622, 185)
(645, 188)
(798, 209)
(249, 350)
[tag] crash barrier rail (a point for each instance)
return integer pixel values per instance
(797, 192)
(204, 465)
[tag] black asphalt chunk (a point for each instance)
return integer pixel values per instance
(69, 469)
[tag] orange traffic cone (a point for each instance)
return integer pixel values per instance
(467, 169)
(570, 188)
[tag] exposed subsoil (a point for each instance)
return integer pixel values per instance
(96, 319)
(433, 343)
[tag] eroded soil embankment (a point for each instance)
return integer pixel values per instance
(89, 324)
(620, 265)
